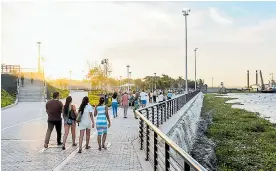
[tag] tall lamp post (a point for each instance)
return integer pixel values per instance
(120, 82)
(43, 74)
(155, 81)
(185, 14)
(70, 79)
(38, 62)
(104, 62)
(195, 66)
(212, 82)
(128, 77)
(109, 73)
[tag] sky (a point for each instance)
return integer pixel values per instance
(231, 37)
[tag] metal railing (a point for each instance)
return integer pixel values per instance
(160, 150)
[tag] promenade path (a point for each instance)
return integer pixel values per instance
(23, 129)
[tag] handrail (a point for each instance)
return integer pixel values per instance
(172, 144)
(164, 110)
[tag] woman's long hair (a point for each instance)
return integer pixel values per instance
(101, 101)
(84, 102)
(114, 95)
(67, 103)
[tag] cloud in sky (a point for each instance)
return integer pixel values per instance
(218, 17)
(147, 36)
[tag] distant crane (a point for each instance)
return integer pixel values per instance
(262, 81)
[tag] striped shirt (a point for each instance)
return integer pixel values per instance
(101, 117)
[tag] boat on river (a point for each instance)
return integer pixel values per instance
(270, 89)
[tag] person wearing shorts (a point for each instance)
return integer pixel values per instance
(101, 111)
(143, 96)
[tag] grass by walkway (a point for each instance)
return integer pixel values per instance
(51, 89)
(6, 98)
(244, 140)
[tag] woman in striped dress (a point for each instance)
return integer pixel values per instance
(101, 111)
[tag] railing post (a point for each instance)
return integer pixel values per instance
(157, 115)
(152, 115)
(155, 152)
(167, 157)
(148, 144)
(141, 133)
(174, 107)
(165, 111)
(162, 106)
(147, 137)
(185, 99)
(182, 101)
(186, 166)
(171, 109)
(177, 104)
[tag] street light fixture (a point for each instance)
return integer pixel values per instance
(104, 62)
(185, 14)
(155, 81)
(43, 74)
(195, 66)
(212, 82)
(70, 79)
(120, 82)
(128, 77)
(38, 65)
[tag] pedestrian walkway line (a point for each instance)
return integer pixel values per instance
(62, 164)
(22, 123)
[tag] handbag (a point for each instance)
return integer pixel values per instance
(72, 115)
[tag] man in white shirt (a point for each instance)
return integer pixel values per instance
(143, 96)
(161, 97)
(154, 96)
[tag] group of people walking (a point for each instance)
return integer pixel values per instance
(124, 101)
(84, 118)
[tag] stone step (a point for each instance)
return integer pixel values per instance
(28, 93)
(30, 96)
(32, 90)
(32, 100)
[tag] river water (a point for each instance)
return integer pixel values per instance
(263, 103)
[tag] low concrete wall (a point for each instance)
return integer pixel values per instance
(182, 126)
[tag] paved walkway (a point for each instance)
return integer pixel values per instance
(23, 130)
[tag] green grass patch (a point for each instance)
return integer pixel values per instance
(6, 98)
(51, 89)
(94, 98)
(244, 140)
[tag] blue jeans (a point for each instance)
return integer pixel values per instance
(114, 108)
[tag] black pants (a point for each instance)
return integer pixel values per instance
(154, 99)
(51, 125)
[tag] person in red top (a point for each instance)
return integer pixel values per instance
(54, 110)
(125, 104)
